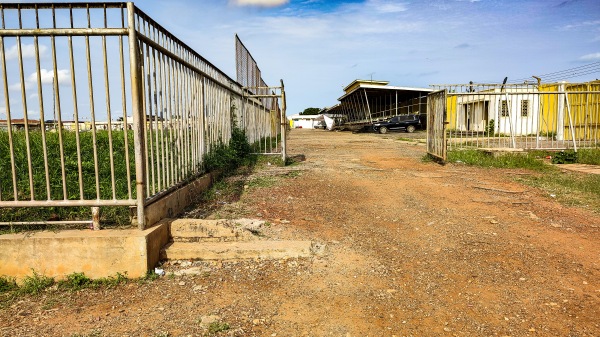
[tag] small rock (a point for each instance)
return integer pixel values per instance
(182, 283)
(447, 329)
(206, 320)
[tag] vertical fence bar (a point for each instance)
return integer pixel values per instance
(57, 110)
(124, 107)
(137, 111)
(108, 114)
(25, 114)
(8, 117)
(75, 110)
(92, 107)
(41, 104)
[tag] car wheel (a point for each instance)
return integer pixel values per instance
(383, 129)
(410, 129)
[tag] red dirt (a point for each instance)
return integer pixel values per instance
(413, 249)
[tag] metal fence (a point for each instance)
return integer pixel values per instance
(524, 116)
(267, 119)
(104, 107)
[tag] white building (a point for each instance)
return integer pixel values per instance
(298, 121)
(514, 111)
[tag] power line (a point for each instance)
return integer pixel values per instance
(583, 70)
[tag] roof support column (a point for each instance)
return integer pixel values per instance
(368, 107)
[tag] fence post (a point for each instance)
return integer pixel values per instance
(96, 218)
(560, 119)
(283, 123)
(138, 117)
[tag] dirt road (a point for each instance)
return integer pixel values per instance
(413, 249)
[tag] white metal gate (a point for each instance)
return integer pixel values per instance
(436, 124)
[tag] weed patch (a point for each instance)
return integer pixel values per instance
(36, 283)
(262, 182)
(78, 281)
(216, 327)
(7, 284)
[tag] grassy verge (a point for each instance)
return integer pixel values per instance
(529, 161)
(569, 188)
(36, 284)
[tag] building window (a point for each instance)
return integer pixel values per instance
(504, 108)
(525, 108)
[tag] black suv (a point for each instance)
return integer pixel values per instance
(408, 122)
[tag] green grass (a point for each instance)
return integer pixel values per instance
(109, 215)
(479, 158)
(262, 182)
(71, 166)
(588, 156)
(569, 188)
(37, 283)
(222, 157)
(78, 281)
(216, 327)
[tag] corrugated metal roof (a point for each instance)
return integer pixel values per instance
(386, 88)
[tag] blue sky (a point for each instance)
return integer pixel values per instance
(317, 46)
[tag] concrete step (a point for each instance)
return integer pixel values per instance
(200, 230)
(264, 249)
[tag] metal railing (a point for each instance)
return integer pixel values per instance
(105, 107)
(523, 116)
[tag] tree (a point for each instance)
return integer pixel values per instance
(310, 111)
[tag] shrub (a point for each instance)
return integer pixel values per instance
(75, 281)
(565, 157)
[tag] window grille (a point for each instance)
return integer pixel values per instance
(504, 108)
(524, 108)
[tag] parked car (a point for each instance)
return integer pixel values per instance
(407, 122)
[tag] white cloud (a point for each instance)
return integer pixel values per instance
(386, 6)
(15, 87)
(47, 76)
(590, 57)
(585, 24)
(27, 50)
(259, 3)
